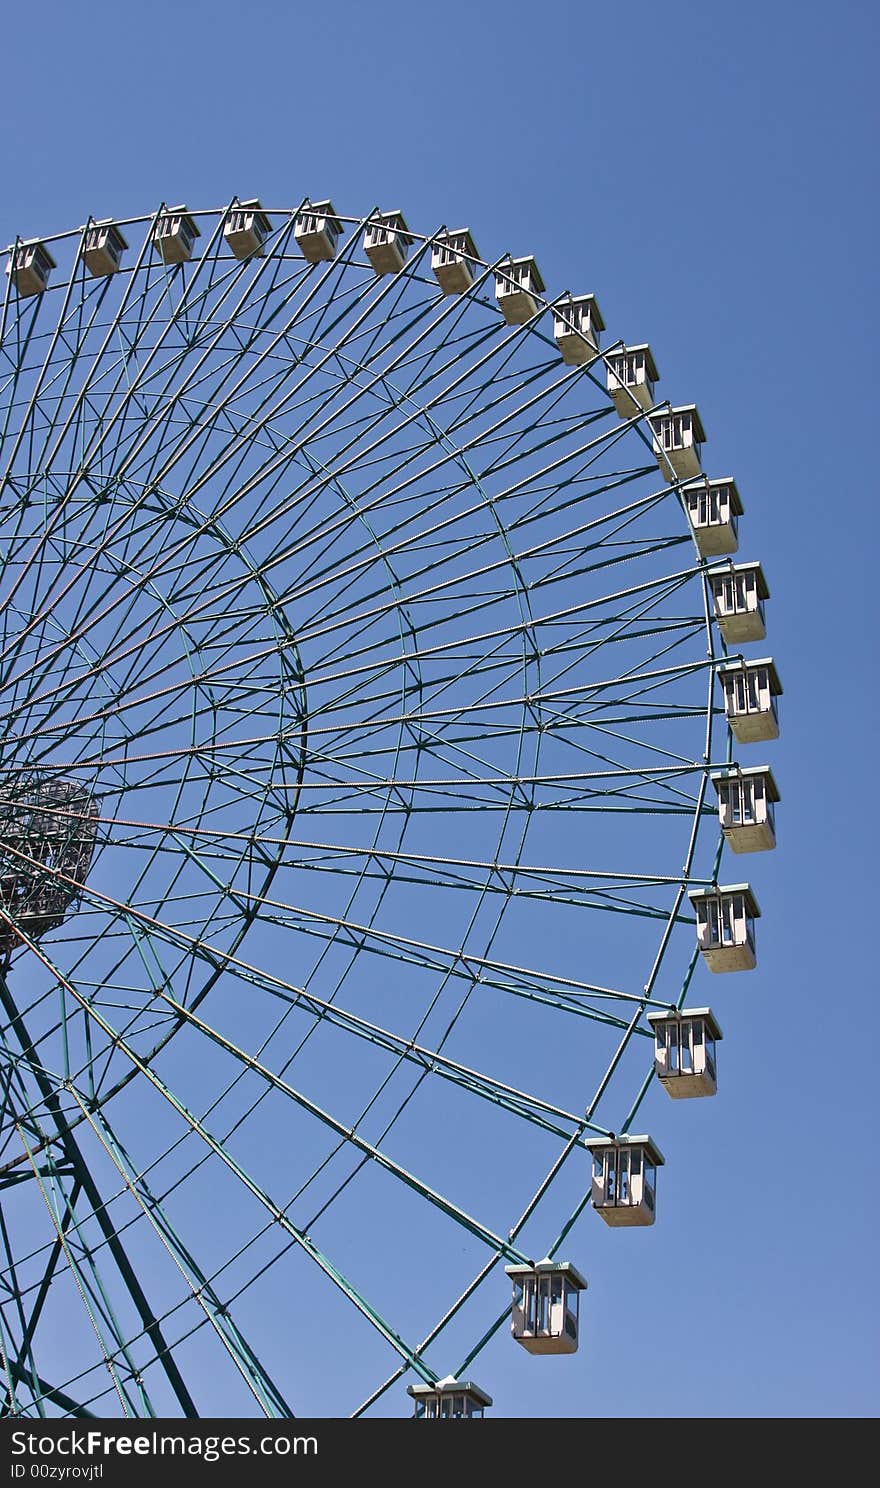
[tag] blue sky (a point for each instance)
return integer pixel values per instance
(709, 172)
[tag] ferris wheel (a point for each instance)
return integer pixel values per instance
(372, 679)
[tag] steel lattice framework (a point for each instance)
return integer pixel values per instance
(357, 673)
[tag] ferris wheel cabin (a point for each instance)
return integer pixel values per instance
(544, 1316)
(684, 1051)
(246, 229)
(387, 241)
(632, 373)
(577, 328)
(678, 439)
(174, 236)
(449, 1400)
(745, 807)
(738, 593)
(726, 918)
(713, 508)
(317, 231)
(103, 249)
(518, 282)
(624, 1187)
(451, 260)
(29, 266)
(750, 692)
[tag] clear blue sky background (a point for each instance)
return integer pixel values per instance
(708, 171)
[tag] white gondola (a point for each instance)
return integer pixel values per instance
(544, 1315)
(750, 692)
(452, 260)
(678, 436)
(726, 918)
(29, 266)
(632, 373)
(684, 1051)
(449, 1400)
(103, 248)
(246, 229)
(518, 283)
(387, 241)
(714, 507)
(624, 1188)
(746, 798)
(317, 231)
(577, 328)
(174, 236)
(738, 593)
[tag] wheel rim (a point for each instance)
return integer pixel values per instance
(442, 638)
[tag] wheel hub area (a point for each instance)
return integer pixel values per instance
(48, 831)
